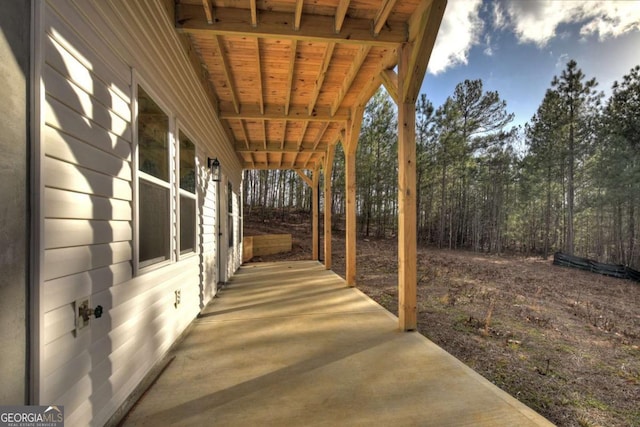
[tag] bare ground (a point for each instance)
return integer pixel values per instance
(563, 341)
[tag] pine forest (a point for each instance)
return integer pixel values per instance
(568, 180)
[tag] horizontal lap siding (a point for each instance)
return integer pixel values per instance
(90, 49)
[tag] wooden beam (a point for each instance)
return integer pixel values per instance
(208, 10)
(382, 15)
(264, 134)
(328, 170)
(297, 15)
(302, 133)
(272, 148)
(259, 77)
(254, 13)
(292, 66)
(315, 207)
(326, 60)
(341, 13)
(390, 82)
(407, 227)
(358, 59)
(271, 166)
(284, 134)
(217, 41)
(236, 22)
(245, 135)
(423, 29)
(277, 112)
(304, 177)
(321, 133)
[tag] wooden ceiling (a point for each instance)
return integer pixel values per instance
(288, 76)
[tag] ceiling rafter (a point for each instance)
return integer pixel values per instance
(208, 10)
(272, 148)
(321, 133)
(298, 15)
(245, 135)
(358, 60)
(292, 66)
(382, 15)
(236, 22)
(281, 160)
(259, 80)
(284, 135)
(341, 13)
(423, 29)
(264, 133)
(274, 112)
(302, 133)
(218, 42)
(254, 13)
(306, 163)
(326, 61)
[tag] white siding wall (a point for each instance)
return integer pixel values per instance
(91, 51)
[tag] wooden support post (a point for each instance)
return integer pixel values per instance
(315, 240)
(328, 170)
(407, 226)
(352, 135)
(350, 190)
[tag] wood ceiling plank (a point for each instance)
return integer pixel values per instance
(275, 24)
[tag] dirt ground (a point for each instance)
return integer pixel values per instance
(563, 341)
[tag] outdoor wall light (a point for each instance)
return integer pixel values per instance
(214, 166)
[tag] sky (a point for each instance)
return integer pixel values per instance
(517, 46)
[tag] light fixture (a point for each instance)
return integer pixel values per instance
(214, 166)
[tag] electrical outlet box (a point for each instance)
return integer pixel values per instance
(81, 306)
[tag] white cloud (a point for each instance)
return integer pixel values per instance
(537, 21)
(461, 28)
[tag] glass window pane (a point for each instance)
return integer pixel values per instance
(154, 223)
(153, 136)
(187, 164)
(187, 224)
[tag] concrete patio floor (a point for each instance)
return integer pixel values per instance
(288, 344)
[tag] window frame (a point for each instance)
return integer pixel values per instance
(173, 185)
(180, 192)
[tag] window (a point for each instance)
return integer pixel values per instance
(187, 178)
(230, 209)
(154, 182)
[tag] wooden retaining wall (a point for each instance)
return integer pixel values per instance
(266, 244)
